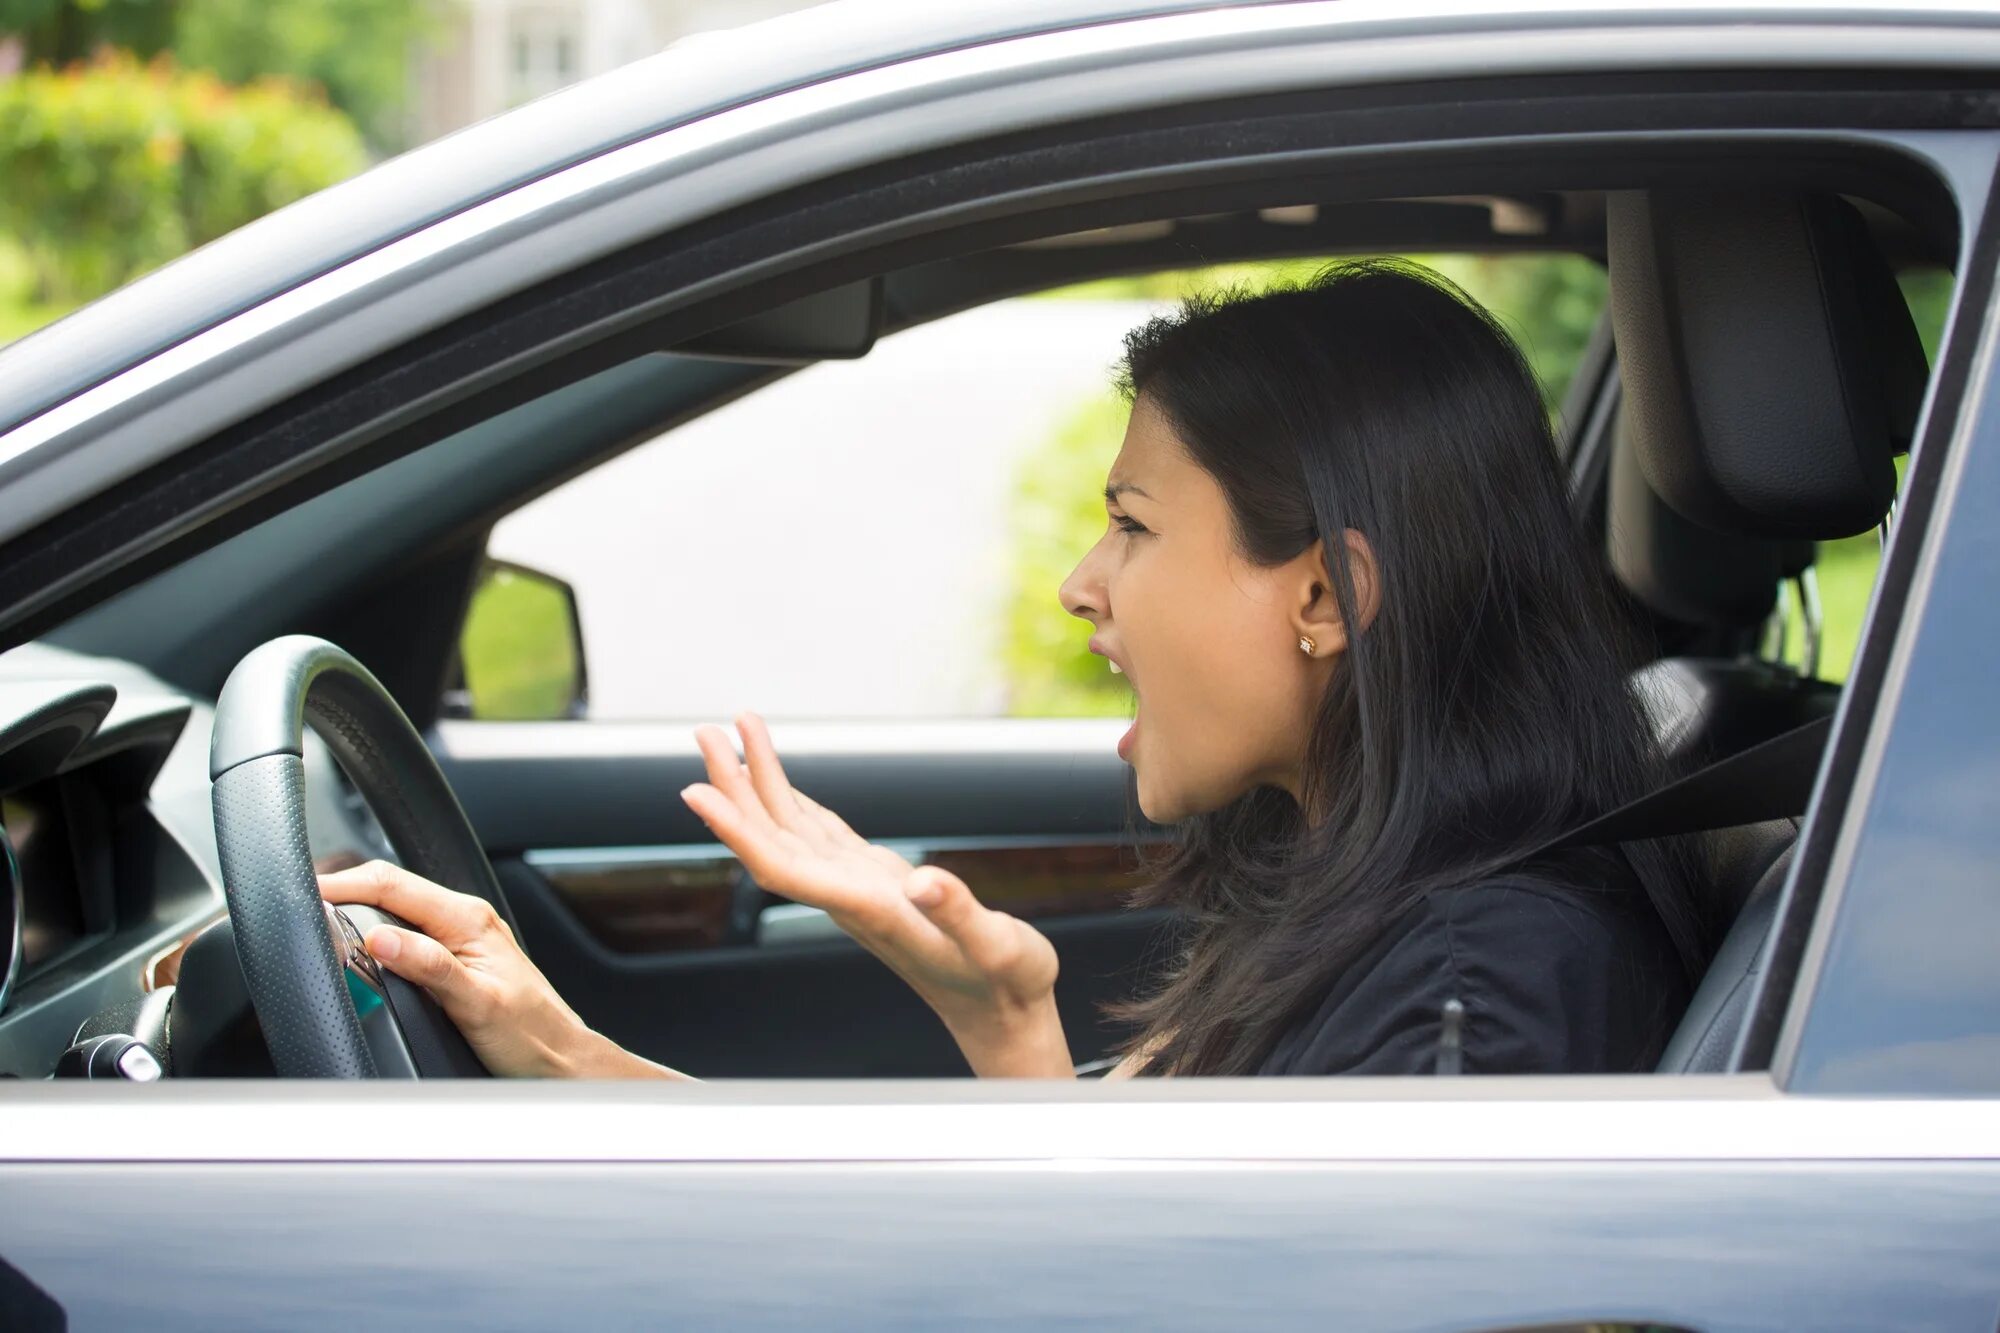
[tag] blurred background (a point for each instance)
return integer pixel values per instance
(880, 538)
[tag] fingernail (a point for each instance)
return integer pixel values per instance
(384, 944)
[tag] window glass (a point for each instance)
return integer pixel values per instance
(883, 538)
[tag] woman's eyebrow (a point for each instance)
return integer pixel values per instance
(1118, 488)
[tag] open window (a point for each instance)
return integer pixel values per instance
(756, 556)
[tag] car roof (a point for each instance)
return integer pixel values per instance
(694, 77)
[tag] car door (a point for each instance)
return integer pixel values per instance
(1846, 1175)
(1828, 1183)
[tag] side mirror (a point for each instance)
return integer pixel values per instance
(520, 651)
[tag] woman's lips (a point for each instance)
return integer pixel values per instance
(1125, 742)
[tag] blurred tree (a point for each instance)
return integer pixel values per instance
(360, 51)
(61, 32)
(1058, 512)
(114, 167)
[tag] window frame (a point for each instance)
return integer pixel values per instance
(342, 433)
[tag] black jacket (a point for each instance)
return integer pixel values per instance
(1554, 977)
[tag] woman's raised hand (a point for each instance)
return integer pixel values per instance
(989, 976)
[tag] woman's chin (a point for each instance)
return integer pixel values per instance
(1154, 804)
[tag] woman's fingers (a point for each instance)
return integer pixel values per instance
(770, 862)
(832, 827)
(946, 903)
(767, 776)
(431, 908)
(993, 943)
(790, 844)
(729, 775)
(422, 960)
(726, 820)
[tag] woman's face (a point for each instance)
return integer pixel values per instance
(1208, 640)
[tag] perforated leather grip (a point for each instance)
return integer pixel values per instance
(281, 685)
(287, 957)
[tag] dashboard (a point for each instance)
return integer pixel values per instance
(62, 906)
(107, 843)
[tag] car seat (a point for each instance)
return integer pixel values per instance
(1771, 373)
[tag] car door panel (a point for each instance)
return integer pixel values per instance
(1719, 1247)
(658, 938)
(818, 1008)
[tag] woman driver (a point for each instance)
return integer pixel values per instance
(1375, 666)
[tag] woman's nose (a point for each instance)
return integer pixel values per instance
(1082, 593)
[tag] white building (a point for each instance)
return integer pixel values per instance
(497, 54)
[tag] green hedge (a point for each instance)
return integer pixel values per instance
(115, 167)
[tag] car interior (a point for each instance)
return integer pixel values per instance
(1753, 381)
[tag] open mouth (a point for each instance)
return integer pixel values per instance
(1131, 736)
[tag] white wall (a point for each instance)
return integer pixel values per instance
(834, 545)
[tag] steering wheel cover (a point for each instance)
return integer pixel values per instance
(296, 983)
(256, 759)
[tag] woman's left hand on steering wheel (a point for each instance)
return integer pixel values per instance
(467, 958)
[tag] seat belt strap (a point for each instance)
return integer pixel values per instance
(1770, 780)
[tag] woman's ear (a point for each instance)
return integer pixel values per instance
(1318, 615)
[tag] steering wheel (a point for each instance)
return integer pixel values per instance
(326, 1009)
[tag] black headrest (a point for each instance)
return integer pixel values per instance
(1684, 571)
(1771, 368)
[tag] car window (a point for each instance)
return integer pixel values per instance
(880, 538)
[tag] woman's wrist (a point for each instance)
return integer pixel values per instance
(594, 1055)
(1013, 1039)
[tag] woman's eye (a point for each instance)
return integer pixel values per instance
(1125, 524)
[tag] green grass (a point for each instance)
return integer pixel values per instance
(520, 657)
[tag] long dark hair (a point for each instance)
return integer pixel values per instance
(1485, 708)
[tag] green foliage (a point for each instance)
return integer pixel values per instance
(359, 52)
(1058, 512)
(1846, 572)
(20, 312)
(519, 655)
(61, 32)
(1928, 292)
(1549, 303)
(113, 168)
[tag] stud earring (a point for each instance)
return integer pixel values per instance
(1306, 644)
